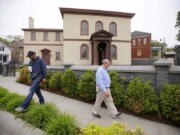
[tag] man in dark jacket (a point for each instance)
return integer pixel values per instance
(37, 68)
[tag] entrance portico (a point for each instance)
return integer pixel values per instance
(101, 46)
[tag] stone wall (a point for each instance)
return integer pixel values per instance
(160, 73)
(143, 61)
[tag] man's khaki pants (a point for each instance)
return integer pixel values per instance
(100, 97)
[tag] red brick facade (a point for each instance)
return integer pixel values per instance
(140, 47)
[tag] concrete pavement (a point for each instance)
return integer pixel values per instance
(82, 111)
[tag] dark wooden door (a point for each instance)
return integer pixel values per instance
(46, 56)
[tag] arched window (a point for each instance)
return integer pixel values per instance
(84, 27)
(113, 28)
(113, 52)
(99, 25)
(84, 51)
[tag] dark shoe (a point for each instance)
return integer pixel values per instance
(96, 115)
(115, 116)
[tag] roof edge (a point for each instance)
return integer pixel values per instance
(95, 12)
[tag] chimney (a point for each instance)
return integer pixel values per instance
(31, 22)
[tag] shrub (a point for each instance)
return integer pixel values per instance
(24, 73)
(117, 88)
(115, 129)
(45, 85)
(3, 92)
(69, 83)
(87, 86)
(29, 81)
(55, 81)
(64, 124)
(40, 115)
(7, 98)
(140, 97)
(170, 102)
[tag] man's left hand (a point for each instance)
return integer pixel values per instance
(44, 80)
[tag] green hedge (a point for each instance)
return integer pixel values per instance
(117, 89)
(69, 83)
(140, 97)
(170, 102)
(87, 86)
(55, 82)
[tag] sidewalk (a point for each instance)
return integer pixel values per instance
(82, 111)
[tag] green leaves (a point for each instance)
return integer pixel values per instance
(55, 81)
(69, 83)
(40, 115)
(170, 102)
(117, 88)
(115, 129)
(141, 97)
(87, 86)
(63, 124)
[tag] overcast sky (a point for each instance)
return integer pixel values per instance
(155, 16)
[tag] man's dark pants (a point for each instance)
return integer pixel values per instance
(34, 88)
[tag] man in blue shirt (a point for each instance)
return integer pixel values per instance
(37, 68)
(103, 83)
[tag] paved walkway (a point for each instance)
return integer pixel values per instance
(82, 111)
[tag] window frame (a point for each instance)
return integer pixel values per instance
(82, 58)
(58, 38)
(115, 28)
(81, 33)
(114, 58)
(145, 39)
(59, 59)
(96, 24)
(139, 41)
(139, 52)
(31, 37)
(44, 38)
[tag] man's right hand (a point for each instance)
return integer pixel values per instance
(107, 94)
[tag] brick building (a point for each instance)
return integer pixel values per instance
(140, 45)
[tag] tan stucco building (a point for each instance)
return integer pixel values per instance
(88, 37)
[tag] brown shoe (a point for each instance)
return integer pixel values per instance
(96, 115)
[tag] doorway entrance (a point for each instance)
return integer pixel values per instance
(46, 56)
(101, 52)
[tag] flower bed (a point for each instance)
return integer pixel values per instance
(49, 119)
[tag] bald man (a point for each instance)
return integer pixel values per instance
(103, 84)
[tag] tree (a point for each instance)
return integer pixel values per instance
(10, 38)
(169, 49)
(157, 43)
(4, 41)
(178, 25)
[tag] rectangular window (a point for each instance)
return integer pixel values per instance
(33, 36)
(0, 57)
(45, 36)
(58, 57)
(134, 42)
(145, 41)
(58, 36)
(155, 53)
(138, 52)
(139, 42)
